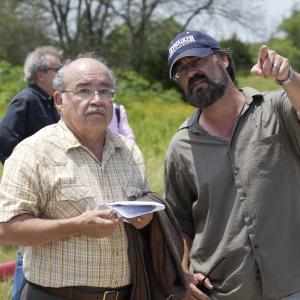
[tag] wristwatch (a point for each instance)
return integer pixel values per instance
(289, 78)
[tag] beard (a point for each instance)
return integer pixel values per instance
(204, 97)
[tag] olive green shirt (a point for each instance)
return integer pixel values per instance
(241, 199)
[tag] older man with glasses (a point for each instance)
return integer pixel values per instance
(53, 185)
(232, 174)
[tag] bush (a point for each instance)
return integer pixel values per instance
(11, 82)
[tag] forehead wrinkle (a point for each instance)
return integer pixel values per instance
(87, 72)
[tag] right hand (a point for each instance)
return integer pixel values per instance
(97, 223)
(193, 293)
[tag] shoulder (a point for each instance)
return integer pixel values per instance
(43, 140)
(130, 152)
(26, 96)
(181, 140)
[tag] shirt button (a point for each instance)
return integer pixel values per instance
(236, 170)
(248, 221)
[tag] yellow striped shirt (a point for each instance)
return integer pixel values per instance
(52, 176)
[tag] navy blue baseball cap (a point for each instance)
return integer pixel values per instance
(190, 43)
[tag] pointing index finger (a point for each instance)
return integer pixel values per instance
(263, 54)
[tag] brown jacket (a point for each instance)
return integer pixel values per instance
(155, 255)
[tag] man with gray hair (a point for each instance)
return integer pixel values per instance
(30, 110)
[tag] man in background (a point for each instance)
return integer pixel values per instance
(29, 111)
(232, 174)
(33, 108)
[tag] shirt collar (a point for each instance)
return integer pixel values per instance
(40, 92)
(112, 140)
(251, 95)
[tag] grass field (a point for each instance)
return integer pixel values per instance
(154, 123)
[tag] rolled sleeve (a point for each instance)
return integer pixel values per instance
(19, 188)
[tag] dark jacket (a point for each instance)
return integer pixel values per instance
(30, 110)
(155, 255)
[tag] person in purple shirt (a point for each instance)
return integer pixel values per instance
(119, 122)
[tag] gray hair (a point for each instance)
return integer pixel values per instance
(37, 61)
(58, 81)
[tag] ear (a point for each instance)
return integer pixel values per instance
(39, 76)
(225, 61)
(58, 101)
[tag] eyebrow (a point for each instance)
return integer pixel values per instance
(83, 84)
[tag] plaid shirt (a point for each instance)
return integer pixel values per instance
(52, 176)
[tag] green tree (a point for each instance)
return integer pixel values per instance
(11, 82)
(153, 61)
(287, 48)
(241, 53)
(291, 27)
(20, 31)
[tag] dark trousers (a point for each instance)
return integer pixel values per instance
(31, 293)
(36, 292)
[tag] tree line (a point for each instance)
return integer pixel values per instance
(133, 34)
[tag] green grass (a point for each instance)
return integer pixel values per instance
(7, 253)
(256, 82)
(6, 290)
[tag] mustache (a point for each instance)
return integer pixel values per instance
(195, 79)
(96, 109)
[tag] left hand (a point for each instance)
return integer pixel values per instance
(140, 222)
(271, 64)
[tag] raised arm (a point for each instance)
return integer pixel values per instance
(272, 65)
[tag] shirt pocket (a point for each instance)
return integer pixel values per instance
(132, 192)
(71, 200)
(270, 155)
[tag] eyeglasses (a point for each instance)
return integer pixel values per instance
(183, 69)
(55, 69)
(87, 93)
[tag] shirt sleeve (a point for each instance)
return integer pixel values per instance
(20, 188)
(12, 126)
(124, 127)
(179, 196)
(288, 117)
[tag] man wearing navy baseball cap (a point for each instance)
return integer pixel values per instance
(232, 174)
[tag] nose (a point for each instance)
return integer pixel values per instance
(96, 98)
(190, 73)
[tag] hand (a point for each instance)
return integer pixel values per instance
(96, 223)
(193, 292)
(271, 64)
(140, 222)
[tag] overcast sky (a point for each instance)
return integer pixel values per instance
(273, 12)
(277, 10)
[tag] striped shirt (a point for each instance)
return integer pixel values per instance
(52, 176)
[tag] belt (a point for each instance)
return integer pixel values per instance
(71, 293)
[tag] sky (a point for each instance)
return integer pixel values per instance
(272, 13)
(277, 10)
